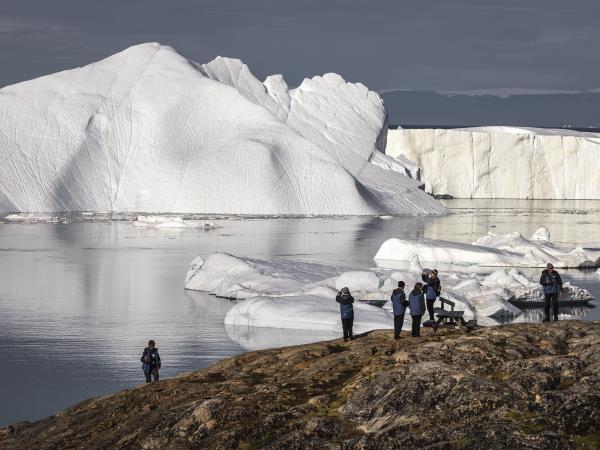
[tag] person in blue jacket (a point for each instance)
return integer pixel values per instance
(399, 304)
(416, 303)
(432, 290)
(347, 311)
(552, 284)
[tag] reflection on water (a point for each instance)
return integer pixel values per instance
(79, 301)
(537, 314)
(255, 338)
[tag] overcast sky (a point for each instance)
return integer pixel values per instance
(402, 44)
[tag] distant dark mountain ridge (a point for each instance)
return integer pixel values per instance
(427, 109)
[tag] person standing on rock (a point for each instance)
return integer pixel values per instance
(347, 311)
(433, 289)
(552, 284)
(399, 304)
(151, 361)
(416, 303)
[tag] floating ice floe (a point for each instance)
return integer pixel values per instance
(172, 222)
(306, 312)
(502, 162)
(146, 130)
(301, 295)
(493, 250)
(228, 276)
(34, 218)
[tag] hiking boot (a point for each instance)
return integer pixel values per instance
(546, 320)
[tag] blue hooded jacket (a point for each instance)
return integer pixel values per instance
(416, 302)
(398, 302)
(551, 282)
(346, 308)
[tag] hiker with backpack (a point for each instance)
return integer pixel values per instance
(433, 288)
(416, 303)
(399, 304)
(150, 361)
(552, 284)
(347, 312)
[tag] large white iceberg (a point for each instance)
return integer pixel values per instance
(502, 162)
(147, 130)
(492, 250)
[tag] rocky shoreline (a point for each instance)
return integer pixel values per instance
(505, 387)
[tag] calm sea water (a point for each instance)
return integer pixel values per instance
(79, 301)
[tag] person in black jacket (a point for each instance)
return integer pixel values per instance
(347, 312)
(150, 361)
(552, 284)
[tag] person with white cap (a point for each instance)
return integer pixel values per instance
(552, 284)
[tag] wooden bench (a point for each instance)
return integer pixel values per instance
(451, 318)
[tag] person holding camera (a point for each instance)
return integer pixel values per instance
(433, 288)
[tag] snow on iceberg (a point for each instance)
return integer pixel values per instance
(146, 130)
(502, 162)
(228, 276)
(541, 250)
(505, 250)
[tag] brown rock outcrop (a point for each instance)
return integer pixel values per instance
(506, 387)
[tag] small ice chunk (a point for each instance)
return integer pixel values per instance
(172, 222)
(541, 234)
(358, 280)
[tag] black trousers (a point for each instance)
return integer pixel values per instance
(347, 327)
(430, 302)
(551, 299)
(416, 325)
(150, 371)
(398, 321)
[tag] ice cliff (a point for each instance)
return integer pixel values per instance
(148, 130)
(503, 162)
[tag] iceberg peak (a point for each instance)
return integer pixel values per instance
(147, 130)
